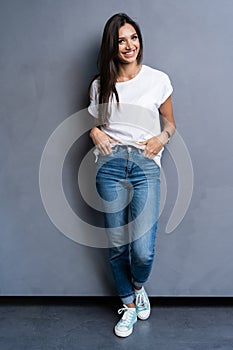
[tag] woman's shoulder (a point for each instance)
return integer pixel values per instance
(94, 85)
(154, 72)
(95, 81)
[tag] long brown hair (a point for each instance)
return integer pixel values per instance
(108, 61)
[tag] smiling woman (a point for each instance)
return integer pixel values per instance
(126, 99)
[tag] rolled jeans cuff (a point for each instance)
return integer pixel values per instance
(137, 284)
(128, 300)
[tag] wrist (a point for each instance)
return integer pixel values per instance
(94, 131)
(163, 137)
(168, 135)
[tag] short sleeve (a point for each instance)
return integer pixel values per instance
(94, 99)
(166, 89)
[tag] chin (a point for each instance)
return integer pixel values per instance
(128, 60)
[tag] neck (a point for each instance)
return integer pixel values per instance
(128, 71)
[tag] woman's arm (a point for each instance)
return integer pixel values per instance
(169, 125)
(156, 143)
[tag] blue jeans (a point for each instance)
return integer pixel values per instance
(129, 186)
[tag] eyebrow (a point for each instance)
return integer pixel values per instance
(123, 37)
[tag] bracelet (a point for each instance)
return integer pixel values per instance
(168, 134)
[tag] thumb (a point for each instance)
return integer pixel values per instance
(111, 140)
(142, 142)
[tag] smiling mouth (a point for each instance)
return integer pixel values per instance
(130, 53)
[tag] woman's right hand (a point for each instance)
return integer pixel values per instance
(101, 140)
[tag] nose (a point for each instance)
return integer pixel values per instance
(129, 45)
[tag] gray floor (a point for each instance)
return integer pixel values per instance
(89, 325)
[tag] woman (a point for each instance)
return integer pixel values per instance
(126, 99)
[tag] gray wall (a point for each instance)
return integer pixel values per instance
(48, 55)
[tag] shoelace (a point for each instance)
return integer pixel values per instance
(128, 315)
(140, 300)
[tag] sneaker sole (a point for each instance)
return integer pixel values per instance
(123, 334)
(143, 317)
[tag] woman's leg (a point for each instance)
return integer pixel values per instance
(144, 209)
(114, 191)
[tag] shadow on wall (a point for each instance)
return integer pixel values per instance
(87, 71)
(71, 167)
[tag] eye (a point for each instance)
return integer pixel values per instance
(121, 41)
(135, 37)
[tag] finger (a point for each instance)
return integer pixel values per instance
(104, 151)
(108, 149)
(102, 143)
(141, 142)
(146, 153)
(150, 155)
(105, 147)
(112, 140)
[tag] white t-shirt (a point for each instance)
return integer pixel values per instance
(137, 117)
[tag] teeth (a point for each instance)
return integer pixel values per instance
(129, 53)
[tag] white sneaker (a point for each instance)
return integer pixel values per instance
(142, 304)
(125, 326)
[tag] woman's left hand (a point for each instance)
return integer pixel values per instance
(153, 146)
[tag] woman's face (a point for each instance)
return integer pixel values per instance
(128, 44)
